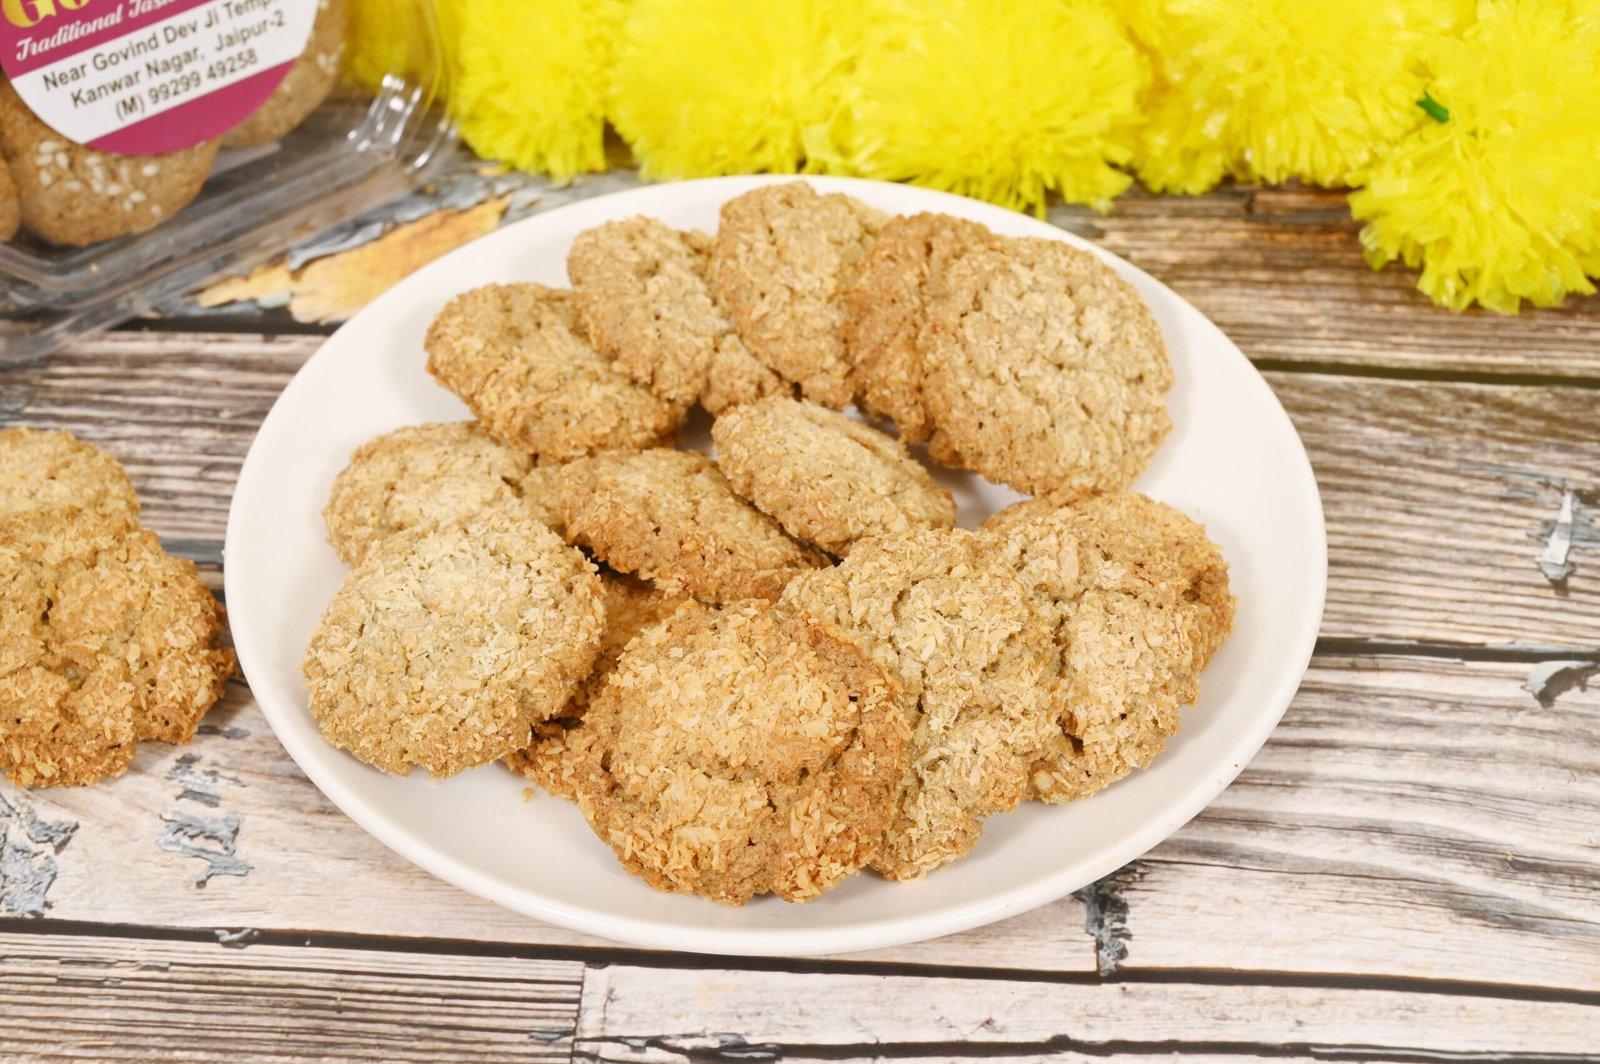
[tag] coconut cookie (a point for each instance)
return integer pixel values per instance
(1043, 370)
(44, 470)
(105, 639)
(74, 195)
(641, 294)
(418, 475)
(827, 478)
(448, 642)
(632, 606)
(513, 353)
(734, 753)
(1138, 600)
(782, 260)
(887, 303)
(973, 659)
(671, 517)
(10, 207)
(306, 85)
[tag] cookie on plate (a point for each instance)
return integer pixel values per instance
(448, 642)
(972, 657)
(632, 606)
(642, 296)
(827, 478)
(782, 259)
(1043, 369)
(417, 475)
(736, 753)
(887, 303)
(514, 354)
(105, 639)
(44, 470)
(303, 89)
(671, 517)
(74, 195)
(1137, 597)
(10, 208)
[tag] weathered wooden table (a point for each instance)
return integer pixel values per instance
(1409, 871)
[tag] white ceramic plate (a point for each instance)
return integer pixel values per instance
(1233, 461)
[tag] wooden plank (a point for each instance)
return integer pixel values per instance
(228, 834)
(1439, 500)
(1281, 271)
(1366, 838)
(111, 999)
(647, 1015)
(1438, 495)
(1412, 817)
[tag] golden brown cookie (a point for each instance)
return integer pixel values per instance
(514, 355)
(782, 260)
(641, 294)
(105, 639)
(10, 207)
(74, 195)
(671, 517)
(1138, 600)
(1044, 370)
(972, 657)
(448, 642)
(827, 478)
(734, 753)
(52, 470)
(540, 489)
(886, 306)
(632, 606)
(303, 89)
(417, 475)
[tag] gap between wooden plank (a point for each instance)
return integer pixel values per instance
(601, 957)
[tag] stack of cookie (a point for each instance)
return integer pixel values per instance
(763, 672)
(69, 194)
(105, 639)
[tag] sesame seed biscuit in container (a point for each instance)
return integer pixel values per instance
(1044, 370)
(10, 207)
(448, 642)
(302, 90)
(77, 196)
(1138, 600)
(642, 295)
(417, 475)
(828, 479)
(736, 753)
(105, 639)
(671, 517)
(886, 305)
(782, 259)
(52, 470)
(515, 355)
(632, 606)
(973, 659)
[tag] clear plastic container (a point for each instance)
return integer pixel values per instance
(357, 150)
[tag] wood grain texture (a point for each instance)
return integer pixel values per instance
(66, 998)
(1367, 838)
(1281, 271)
(642, 1015)
(1437, 493)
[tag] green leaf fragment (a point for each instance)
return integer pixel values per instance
(1436, 110)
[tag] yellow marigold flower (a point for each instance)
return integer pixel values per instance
(384, 38)
(530, 84)
(705, 87)
(1270, 90)
(1497, 196)
(1004, 100)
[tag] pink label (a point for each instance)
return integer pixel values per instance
(141, 77)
